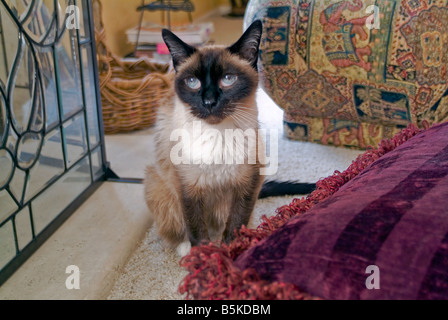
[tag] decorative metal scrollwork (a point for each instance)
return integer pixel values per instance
(50, 128)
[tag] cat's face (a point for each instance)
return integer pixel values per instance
(215, 82)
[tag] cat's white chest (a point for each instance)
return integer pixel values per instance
(209, 176)
(208, 154)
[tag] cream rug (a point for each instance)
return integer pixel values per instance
(153, 270)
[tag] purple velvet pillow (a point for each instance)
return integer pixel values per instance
(393, 216)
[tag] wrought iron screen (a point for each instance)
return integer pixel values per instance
(51, 139)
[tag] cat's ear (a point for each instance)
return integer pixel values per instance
(180, 51)
(247, 47)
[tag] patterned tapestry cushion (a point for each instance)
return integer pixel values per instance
(351, 73)
(390, 222)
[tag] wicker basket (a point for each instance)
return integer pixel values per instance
(130, 91)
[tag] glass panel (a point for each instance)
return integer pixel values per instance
(23, 228)
(37, 113)
(17, 184)
(4, 61)
(10, 40)
(21, 86)
(73, 16)
(28, 149)
(7, 207)
(75, 138)
(6, 167)
(69, 73)
(11, 143)
(21, 8)
(46, 68)
(64, 12)
(40, 24)
(90, 94)
(84, 24)
(3, 120)
(49, 166)
(46, 119)
(7, 245)
(60, 194)
(97, 164)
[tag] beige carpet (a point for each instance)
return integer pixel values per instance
(153, 271)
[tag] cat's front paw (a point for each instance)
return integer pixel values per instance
(183, 249)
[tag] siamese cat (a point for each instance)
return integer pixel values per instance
(203, 197)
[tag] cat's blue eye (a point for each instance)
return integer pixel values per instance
(228, 80)
(193, 83)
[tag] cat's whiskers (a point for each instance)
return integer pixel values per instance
(239, 122)
(242, 119)
(249, 118)
(245, 112)
(242, 106)
(245, 116)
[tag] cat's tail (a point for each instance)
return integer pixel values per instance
(286, 188)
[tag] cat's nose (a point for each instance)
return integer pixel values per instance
(209, 103)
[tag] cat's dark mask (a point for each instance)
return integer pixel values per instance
(214, 81)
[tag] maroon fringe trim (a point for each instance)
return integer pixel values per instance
(212, 274)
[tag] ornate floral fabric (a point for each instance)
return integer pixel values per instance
(351, 73)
